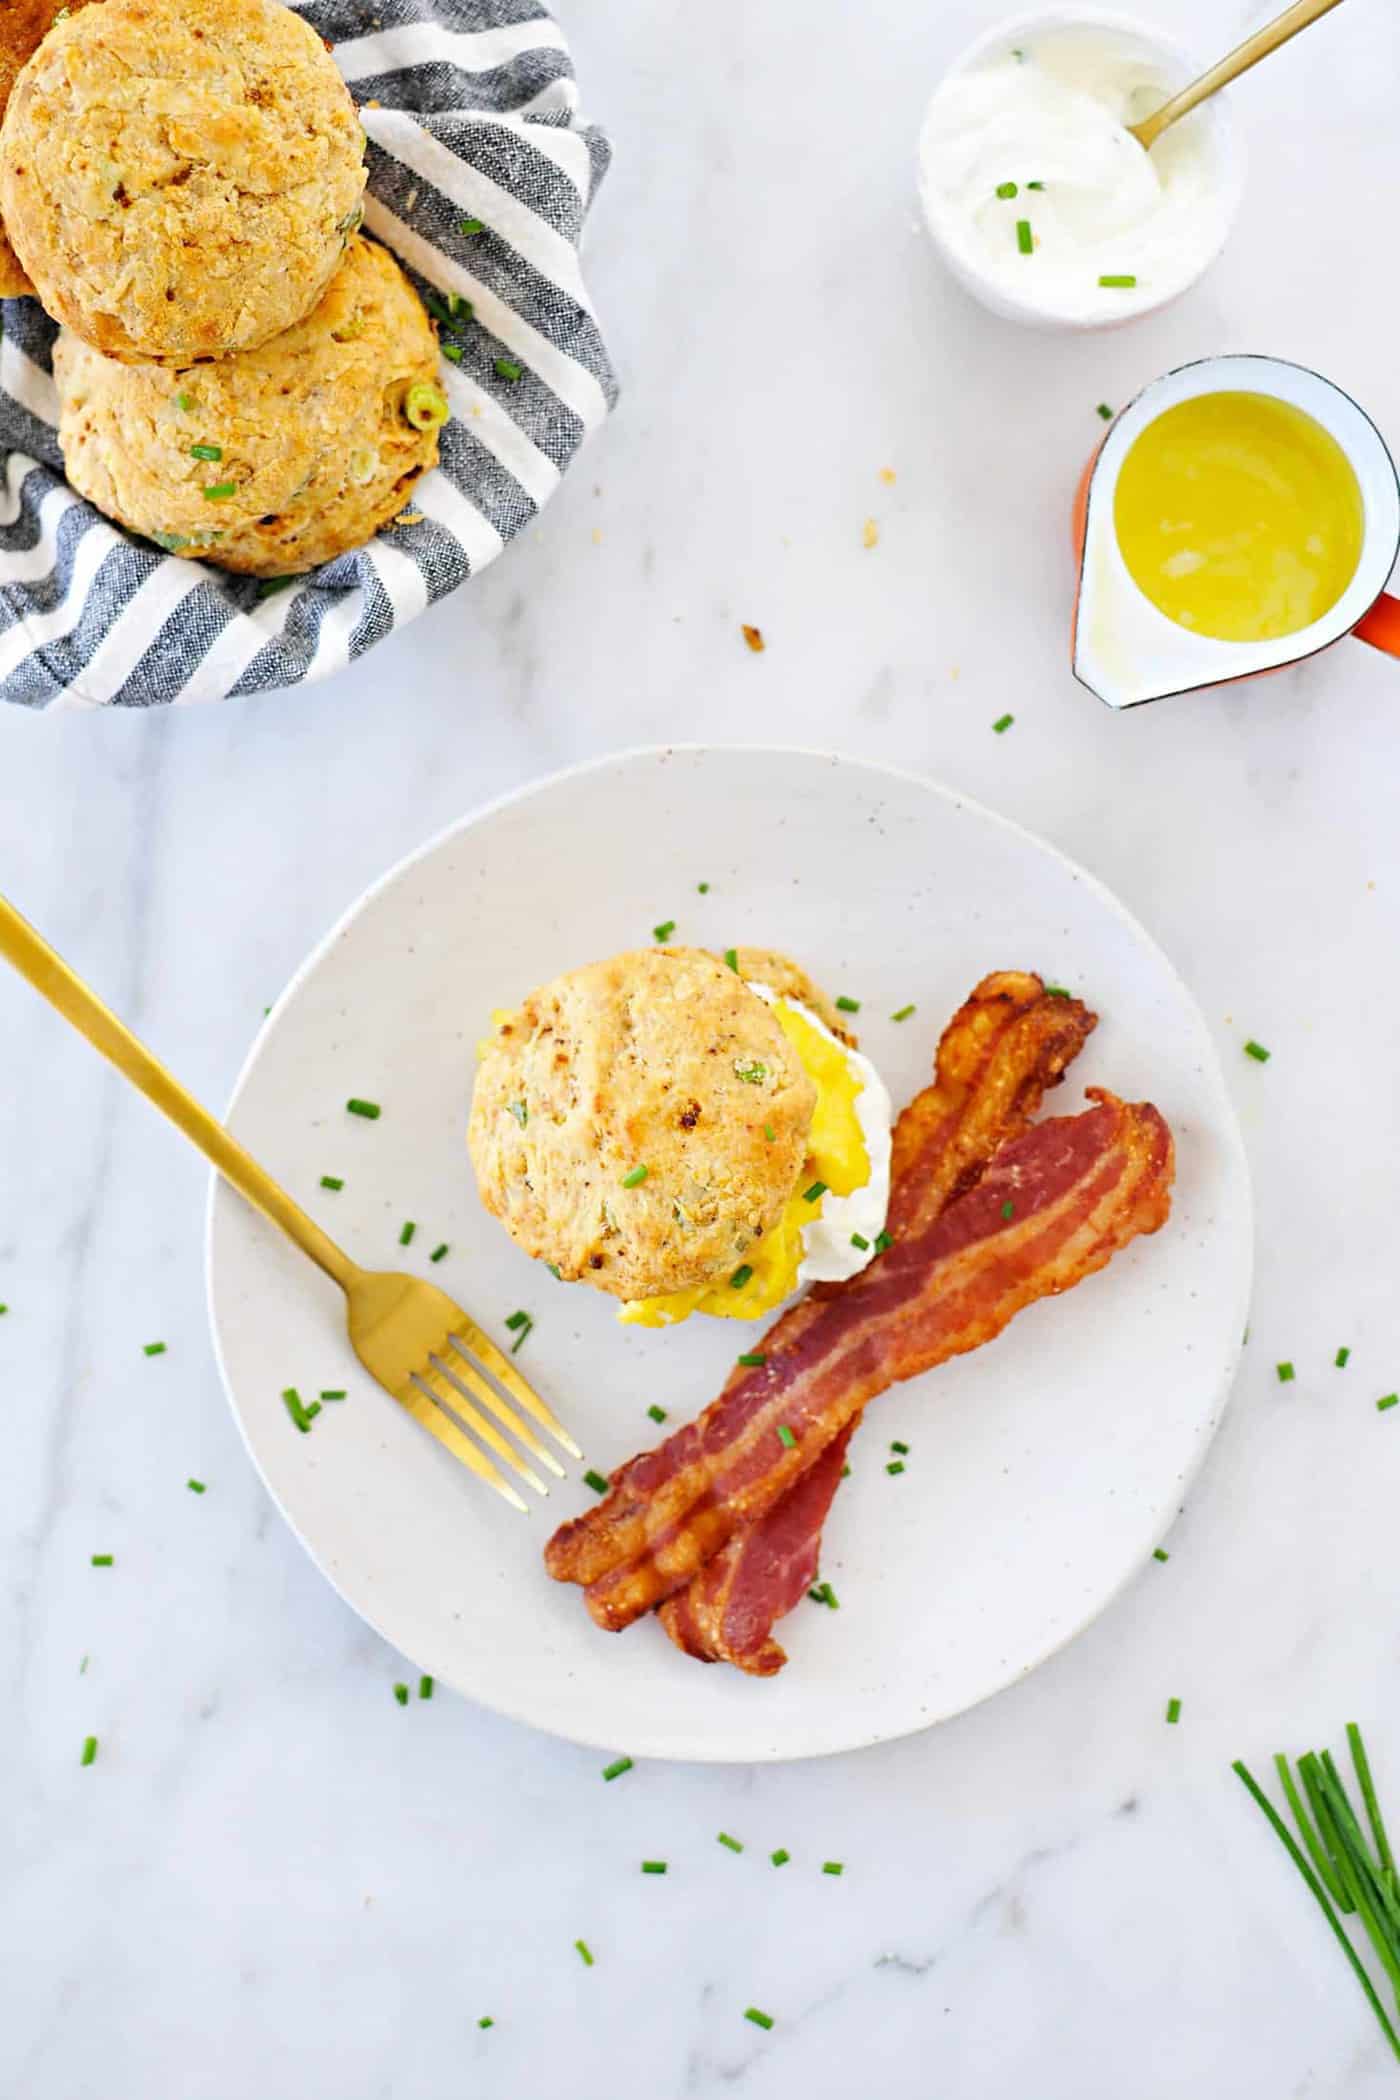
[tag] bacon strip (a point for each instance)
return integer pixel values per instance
(1078, 1188)
(1008, 1043)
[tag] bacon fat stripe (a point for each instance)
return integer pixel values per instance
(1077, 1188)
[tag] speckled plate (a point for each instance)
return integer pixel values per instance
(1042, 1470)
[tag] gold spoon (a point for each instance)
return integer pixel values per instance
(1245, 55)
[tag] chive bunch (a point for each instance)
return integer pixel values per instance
(1351, 1872)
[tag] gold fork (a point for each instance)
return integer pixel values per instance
(419, 1345)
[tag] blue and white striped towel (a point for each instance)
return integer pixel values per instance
(470, 108)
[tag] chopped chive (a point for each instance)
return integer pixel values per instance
(301, 1416)
(1024, 240)
(896, 1465)
(102, 1560)
(220, 491)
(184, 402)
(902, 1014)
(331, 1181)
(751, 1070)
(1160, 1553)
(1035, 185)
(1002, 724)
(89, 1750)
(370, 1110)
(833, 1866)
(1008, 1209)
(518, 1319)
(823, 1593)
(206, 452)
(452, 352)
(847, 1006)
(780, 1858)
(521, 1326)
(635, 1179)
(1173, 1711)
(153, 1349)
(770, 1134)
(882, 1241)
(1119, 283)
(269, 588)
(730, 1844)
(507, 368)
(486, 2021)
(664, 931)
(406, 1236)
(616, 1769)
(334, 1393)
(1057, 991)
(1342, 1358)
(1006, 189)
(740, 1277)
(1105, 411)
(786, 1437)
(425, 1687)
(1286, 1373)
(196, 1487)
(1257, 1051)
(731, 957)
(596, 1481)
(1368, 1794)
(401, 1694)
(585, 1953)
(1390, 1400)
(439, 1253)
(460, 309)
(814, 1193)
(554, 1270)
(82, 1666)
(471, 226)
(760, 2019)
(658, 1414)
(753, 1360)
(902, 1449)
(845, 1472)
(703, 888)
(653, 1866)
(858, 1239)
(3, 1310)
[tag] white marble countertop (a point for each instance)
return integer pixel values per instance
(276, 1880)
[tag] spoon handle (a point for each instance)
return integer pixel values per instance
(1299, 16)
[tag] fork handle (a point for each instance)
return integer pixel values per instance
(50, 976)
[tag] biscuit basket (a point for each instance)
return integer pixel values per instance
(481, 175)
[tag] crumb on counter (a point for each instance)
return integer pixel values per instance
(870, 533)
(754, 637)
(888, 476)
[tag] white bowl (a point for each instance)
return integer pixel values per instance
(948, 227)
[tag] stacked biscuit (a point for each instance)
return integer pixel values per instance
(242, 377)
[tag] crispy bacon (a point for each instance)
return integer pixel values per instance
(1054, 1205)
(1004, 1047)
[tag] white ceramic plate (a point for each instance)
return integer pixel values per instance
(1042, 1470)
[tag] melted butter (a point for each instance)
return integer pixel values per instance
(1239, 516)
(836, 1155)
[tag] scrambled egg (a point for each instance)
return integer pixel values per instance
(848, 1153)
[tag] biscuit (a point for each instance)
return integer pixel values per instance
(179, 177)
(23, 26)
(276, 460)
(659, 1060)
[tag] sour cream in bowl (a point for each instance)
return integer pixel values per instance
(1036, 195)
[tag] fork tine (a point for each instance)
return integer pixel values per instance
(448, 1434)
(503, 1370)
(472, 1385)
(436, 1385)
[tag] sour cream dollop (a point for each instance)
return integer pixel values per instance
(1031, 178)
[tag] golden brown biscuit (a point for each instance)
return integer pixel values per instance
(660, 1061)
(790, 981)
(276, 460)
(23, 26)
(179, 177)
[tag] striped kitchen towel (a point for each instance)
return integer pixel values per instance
(471, 112)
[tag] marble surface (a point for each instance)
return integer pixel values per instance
(275, 1879)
